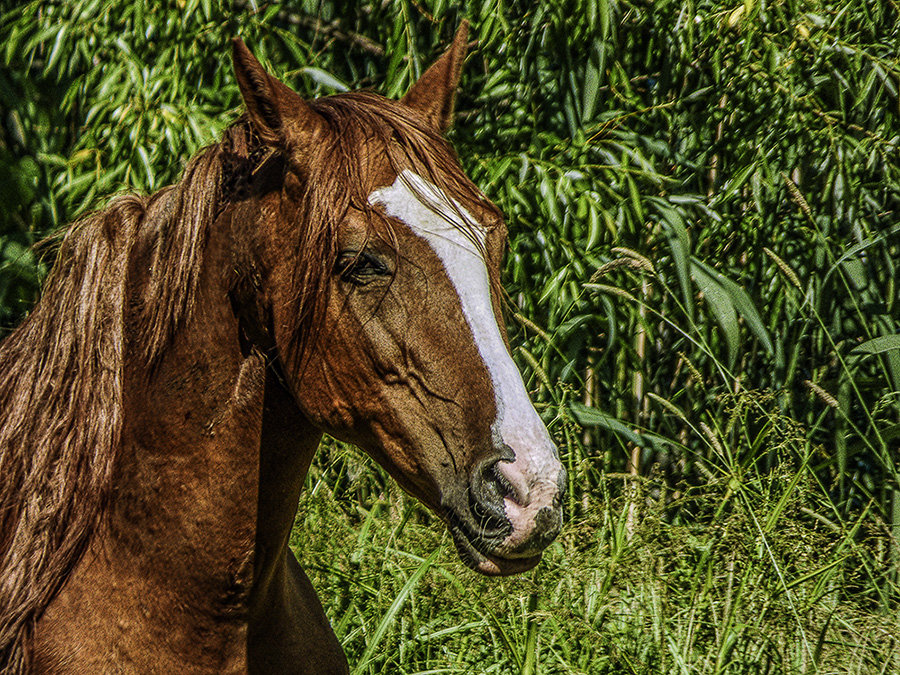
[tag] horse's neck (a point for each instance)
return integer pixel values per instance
(215, 455)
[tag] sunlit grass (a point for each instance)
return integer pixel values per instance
(743, 574)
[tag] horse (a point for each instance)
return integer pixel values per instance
(327, 267)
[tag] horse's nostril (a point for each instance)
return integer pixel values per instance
(495, 481)
(486, 488)
(489, 487)
(501, 484)
(492, 486)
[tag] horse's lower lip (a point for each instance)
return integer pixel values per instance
(486, 563)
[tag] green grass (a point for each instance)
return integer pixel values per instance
(744, 574)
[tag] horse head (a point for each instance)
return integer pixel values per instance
(376, 270)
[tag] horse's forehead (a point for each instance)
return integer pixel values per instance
(430, 213)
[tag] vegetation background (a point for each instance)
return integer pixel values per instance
(703, 201)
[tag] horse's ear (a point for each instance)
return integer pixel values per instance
(277, 113)
(434, 93)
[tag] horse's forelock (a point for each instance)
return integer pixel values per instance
(361, 125)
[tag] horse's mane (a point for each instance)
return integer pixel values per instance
(62, 370)
(61, 389)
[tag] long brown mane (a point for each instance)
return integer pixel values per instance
(61, 390)
(62, 370)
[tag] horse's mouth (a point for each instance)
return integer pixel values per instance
(486, 563)
(475, 552)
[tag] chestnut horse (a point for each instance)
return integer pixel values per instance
(326, 267)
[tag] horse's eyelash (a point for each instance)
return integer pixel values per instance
(353, 265)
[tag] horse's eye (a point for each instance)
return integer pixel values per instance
(359, 267)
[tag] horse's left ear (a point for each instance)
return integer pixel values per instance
(434, 93)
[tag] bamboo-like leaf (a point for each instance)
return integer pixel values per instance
(742, 303)
(878, 345)
(594, 417)
(680, 247)
(722, 308)
(324, 78)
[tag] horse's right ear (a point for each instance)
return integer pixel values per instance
(434, 93)
(278, 114)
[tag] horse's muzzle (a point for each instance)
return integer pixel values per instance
(508, 519)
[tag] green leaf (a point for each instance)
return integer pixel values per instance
(594, 417)
(878, 345)
(680, 246)
(735, 184)
(742, 302)
(374, 641)
(722, 308)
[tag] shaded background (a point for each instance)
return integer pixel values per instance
(703, 203)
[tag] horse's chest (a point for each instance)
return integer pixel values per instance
(113, 618)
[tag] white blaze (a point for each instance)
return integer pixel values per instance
(448, 228)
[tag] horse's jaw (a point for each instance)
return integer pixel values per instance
(485, 563)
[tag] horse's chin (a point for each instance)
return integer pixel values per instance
(487, 564)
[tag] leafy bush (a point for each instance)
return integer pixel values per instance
(702, 200)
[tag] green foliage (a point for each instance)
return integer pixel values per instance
(703, 204)
(739, 575)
